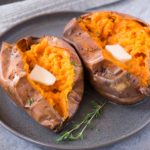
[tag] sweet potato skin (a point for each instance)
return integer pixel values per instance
(13, 79)
(117, 85)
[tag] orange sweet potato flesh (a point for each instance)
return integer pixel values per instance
(57, 61)
(110, 28)
(52, 106)
(121, 82)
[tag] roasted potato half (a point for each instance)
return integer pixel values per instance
(123, 82)
(50, 105)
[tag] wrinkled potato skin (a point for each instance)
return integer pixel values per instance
(13, 80)
(117, 85)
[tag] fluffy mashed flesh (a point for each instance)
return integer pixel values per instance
(57, 61)
(109, 28)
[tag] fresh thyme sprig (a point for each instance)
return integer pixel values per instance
(70, 135)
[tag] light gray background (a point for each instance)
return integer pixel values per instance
(139, 141)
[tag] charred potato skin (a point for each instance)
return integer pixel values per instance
(13, 80)
(110, 81)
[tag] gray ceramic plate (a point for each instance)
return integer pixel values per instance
(116, 122)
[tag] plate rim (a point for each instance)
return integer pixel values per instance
(65, 147)
(60, 147)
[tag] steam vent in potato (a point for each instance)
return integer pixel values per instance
(44, 76)
(115, 49)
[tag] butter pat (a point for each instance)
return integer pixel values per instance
(42, 76)
(118, 52)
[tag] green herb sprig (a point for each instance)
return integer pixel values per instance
(30, 101)
(70, 135)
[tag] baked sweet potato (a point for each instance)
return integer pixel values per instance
(51, 106)
(121, 82)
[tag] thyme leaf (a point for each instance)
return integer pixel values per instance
(30, 101)
(97, 33)
(75, 64)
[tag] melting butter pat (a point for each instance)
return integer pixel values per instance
(41, 75)
(118, 52)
